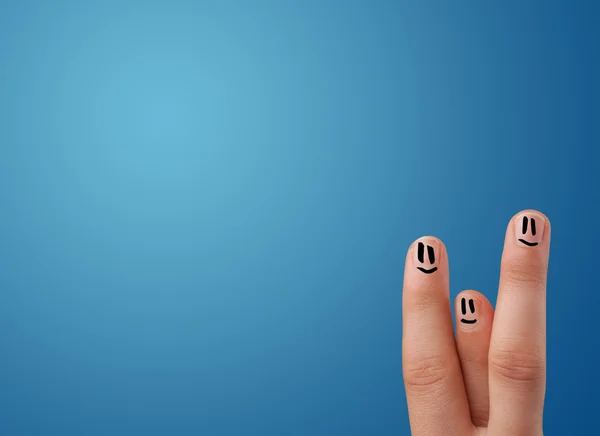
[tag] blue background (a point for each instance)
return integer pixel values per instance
(205, 205)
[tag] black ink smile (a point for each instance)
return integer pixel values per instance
(468, 321)
(529, 244)
(427, 271)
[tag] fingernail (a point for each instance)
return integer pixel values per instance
(427, 253)
(529, 229)
(467, 311)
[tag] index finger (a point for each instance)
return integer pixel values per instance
(435, 392)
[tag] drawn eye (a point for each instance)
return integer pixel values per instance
(431, 254)
(421, 252)
(525, 223)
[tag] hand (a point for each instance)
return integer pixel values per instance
(491, 379)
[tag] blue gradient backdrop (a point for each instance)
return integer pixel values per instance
(205, 205)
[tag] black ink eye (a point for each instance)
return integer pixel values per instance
(525, 220)
(431, 254)
(472, 306)
(463, 306)
(421, 252)
(532, 226)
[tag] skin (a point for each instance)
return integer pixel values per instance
(489, 379)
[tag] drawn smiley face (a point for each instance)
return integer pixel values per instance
(430, 257)
(529, 224)
(529, 229)
(463, 309)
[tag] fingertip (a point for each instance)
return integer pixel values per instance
(529, 229)
(473, 310)
(427, 253)
(532, 212)
(426, 282)
(475, 295)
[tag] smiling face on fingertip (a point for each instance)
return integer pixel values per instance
(468, 313)
(425, 258)
(529, 229)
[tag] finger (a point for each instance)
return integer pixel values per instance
(517, 358)
(436, 397)
(474, 318)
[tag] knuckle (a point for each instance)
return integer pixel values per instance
(425, 372)
(518, 365)
(426, 299)
(525, 273)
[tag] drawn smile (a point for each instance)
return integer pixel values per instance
(427, 271)
(468, 321)
(529, 244)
